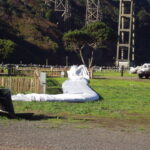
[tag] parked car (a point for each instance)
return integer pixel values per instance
(144, 71)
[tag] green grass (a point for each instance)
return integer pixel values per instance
(113, 73)
(125, 100)
(123, 96)
(118, 96)
(54, 86)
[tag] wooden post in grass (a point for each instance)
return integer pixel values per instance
(122, 71)
(37, 81)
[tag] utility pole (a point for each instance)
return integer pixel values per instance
(126, 34)
(93, 11)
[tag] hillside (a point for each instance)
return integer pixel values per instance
(37, 30)
(34, 35)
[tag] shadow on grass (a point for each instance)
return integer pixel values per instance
(53, 87)
(29, 116)
(53, 82)
(100, 96)
(54, 90)
(33, 117)
(100, 77)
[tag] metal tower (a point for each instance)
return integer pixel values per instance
(126, 34)
(64, 7)
(93, 11)
(49, 2)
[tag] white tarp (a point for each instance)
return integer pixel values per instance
(75, 89)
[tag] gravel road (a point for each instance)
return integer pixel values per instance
(36, 135)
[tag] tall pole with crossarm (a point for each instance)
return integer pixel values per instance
(93, 11)
(126, 34)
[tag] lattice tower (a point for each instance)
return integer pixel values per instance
(126, 34)
(64, 7)
(93, 11)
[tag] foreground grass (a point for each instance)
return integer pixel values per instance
(124, 100)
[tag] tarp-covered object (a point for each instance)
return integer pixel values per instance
(75, 89)
(6, 105)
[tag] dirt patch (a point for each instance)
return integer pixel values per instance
(115, 122)
(128, 119)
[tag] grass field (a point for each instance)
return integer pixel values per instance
(113, 73)
(122, 101)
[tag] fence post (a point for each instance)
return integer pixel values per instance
(37, 81)
(43, 82)
(122, 71)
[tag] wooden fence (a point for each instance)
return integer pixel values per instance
(21, 84)
(29, 79)
(50, 72)
(109, 69)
